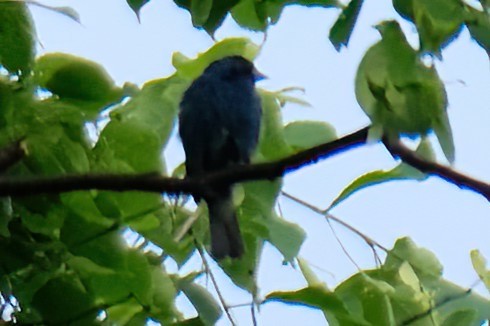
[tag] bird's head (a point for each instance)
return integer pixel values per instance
(234, 67)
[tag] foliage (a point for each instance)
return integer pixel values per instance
(71, 249)
(399, 93)
(407, 288)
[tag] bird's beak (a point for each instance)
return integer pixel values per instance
(258, 75)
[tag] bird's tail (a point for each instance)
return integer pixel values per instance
(226, 239)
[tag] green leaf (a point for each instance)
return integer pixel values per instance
(134, 138)
(139, 277)
(163, 294)
(133, 276)
(452, 298)
(408, 289)
(136, 6)
(400, 172)
(200, 10)
(72, 301)
(256, 208)
(124, 140)
(77, 81)
(123, 313)
(302, 135)
(342, 29)
(479, 264)
(380, 298)
(191, 69)
(409, 277)
(63, 10)
(144, 223)
(437, 21)
(399, 93)
(171, 220)
(287, 237)
(207, 308)
(216, 15)
(26, 287)
(73, 77)
(53, 135)
(49, 154)
(478, 23)
(258, 222)
(318, 3)
(258, 205)
(140, 318)
(243, 271)
(190, 322)
(135, 209)
(127, 273)
(422, 260)
(250, 14)
(370, 297)
(107, 250)
(259, 15)
(314, 282)
(309, 275)
(82, 204)
(48, 224)
(318, 297)
(87, 268)
(6, 97)
(272, 144)
(310, 296)
(17, 38)
(462, 317)
(5, 285)
(5, 216)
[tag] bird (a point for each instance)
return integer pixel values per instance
(219, 125)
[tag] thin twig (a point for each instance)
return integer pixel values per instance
(252, 312)
(367, 239)
(344, 249)
(215, 284)
(377, 259)
(319, 268)
(188, 224)
(240, 305)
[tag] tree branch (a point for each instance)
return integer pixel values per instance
(408, 156)
(215, 284)
(153, 182)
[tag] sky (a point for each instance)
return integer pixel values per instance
(435, 214)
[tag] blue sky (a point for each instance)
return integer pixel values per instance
(435, 214)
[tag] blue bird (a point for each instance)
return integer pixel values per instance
(219, 125)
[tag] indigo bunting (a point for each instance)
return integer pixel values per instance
(219, 125)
